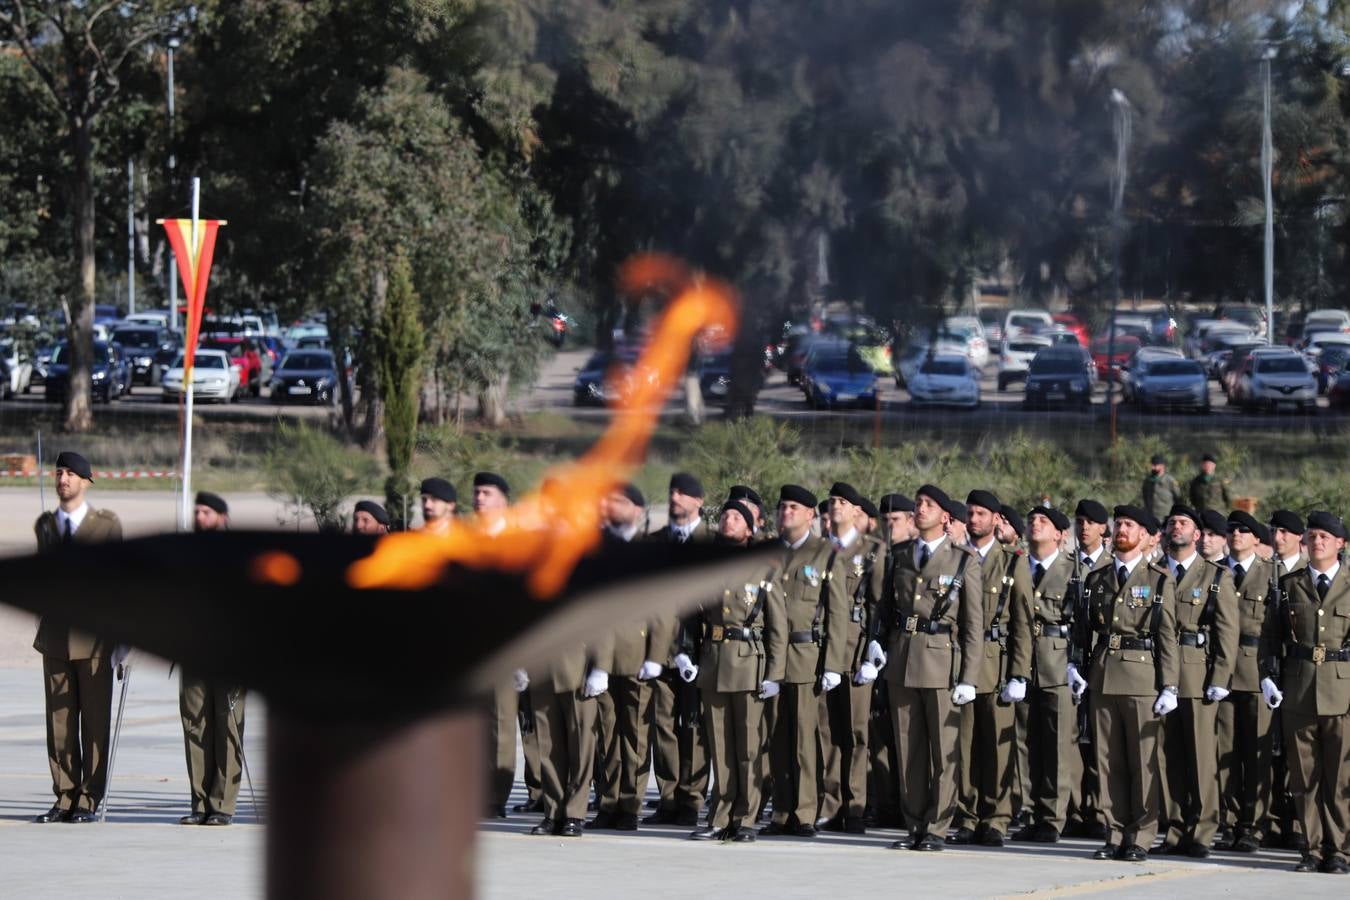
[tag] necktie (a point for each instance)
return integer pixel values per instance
(1323, 585)
(1087, 561)
(1036, 574)
(923, 555)
(1122, 575)
(1238, 572)
(1181, 572)
(67, 538)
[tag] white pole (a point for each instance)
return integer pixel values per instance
(173, 163)
(1267, 164)
(131, 237)
(185, 516)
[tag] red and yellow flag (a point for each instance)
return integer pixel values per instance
(194, 267)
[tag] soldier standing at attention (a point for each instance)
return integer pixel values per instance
(77, 668)
(370, 518)
(932, 621)
(1160, 490)
(1090, 521)
(1307, 647)
(740, 663)
(1133, 617)
(563, 698)
(213, 715)
(1208, 491)
(438, 505)
(1287, 539)
(1283, 826)
(897, 527)
(816, 604)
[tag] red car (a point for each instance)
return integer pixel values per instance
(1070, 322)
(243, 352)
(1126, 347)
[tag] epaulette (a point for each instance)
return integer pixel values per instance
(104, 514)
(1159, 568)
(971, 550)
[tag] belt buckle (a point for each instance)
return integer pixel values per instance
(856, 614)
(1113, 642)
(1200, 639)
(1037, 628)
(912, 624)
(718, 633)
(1319, 654)
(995, 632)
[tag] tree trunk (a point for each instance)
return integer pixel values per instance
(340, 337)
(492, 402)
(79, 415)
(693, 398)
(372, 431)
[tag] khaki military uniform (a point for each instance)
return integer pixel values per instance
(1307, 636)
(1210, 492)
(816, 604)
(1085, 793)
(564, 725)
(1282, 821)
(988, 725)
(926, 659)
(213, 740)
(1207, 634)
(743, 645)
(883, 790)
(1243, 719)
(1160, 494)
(1135, 655)
(77, 675)
(846, 711)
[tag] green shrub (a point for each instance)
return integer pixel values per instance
(309, 469)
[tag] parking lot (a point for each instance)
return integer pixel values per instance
(146, 400)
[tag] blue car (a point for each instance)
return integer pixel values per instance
(838, 376)
(110, 373)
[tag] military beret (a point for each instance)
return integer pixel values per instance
(845, 491)
(68, 459)
(823, 506)
(1057, 518)
(440, 489)
(1013, 518)
(741, 510)
(491, 479)
(795, 493)
(745, 492)
(634, 495)
(957, 510)
(1213, 520)
(1263, 534)
(1152, 526)
(1325, 521)
(1092, 511)
(374, 510)
(687, 484)
(1133, 513)
(1180, 509)
(1209, 456)
(212, 501)
(1158, 460)
(1242, 518)
(869, 508)
(985, 499)
(934, 493)
(896, 503)
(1289, 521)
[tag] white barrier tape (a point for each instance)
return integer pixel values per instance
(135, 473)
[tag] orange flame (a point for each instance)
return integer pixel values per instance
(549, 530)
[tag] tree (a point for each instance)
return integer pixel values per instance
(81, 52)
(398, 354)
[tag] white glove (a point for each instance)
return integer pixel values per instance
(963, 694)
(1167, 701)
(768, 690)
(830, 680)
(1272, 694)
(875, 655)
(597, 682)
(1215, 694)
(650, 670)
(1015, 691)
(688, 671)
(520, 680)
(867, 673)
(1076, 683)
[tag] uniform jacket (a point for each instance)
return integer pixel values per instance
(1005, 633)
(626, 649)
(1127, 610)
(864, 563)
(1050, 605)
(677, 632)
(100, 526)
(807, 581)
(1312, 689)
(1211, 664)
(1251, 606)
(1160, 494)
(732, 665)
(922, 660)
(1210, 493)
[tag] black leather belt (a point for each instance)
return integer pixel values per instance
(919, 625)
(1121, 642)
(1054, 631)
(1193, 639)
(718, 633)
(803, 637)
(1249, 640)
(1318, 654)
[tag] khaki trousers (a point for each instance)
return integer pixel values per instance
(502, 744)
(78, 697)
(622, 734)
(794, 754)
(1021, 798)
(844, 716)
(1318, 752)
(679, 756)
(214, 741)
(1245, 743)
(1192, 773)
(985, 774)
(1052, 752)
(565, 726)
(927, 731)
(1128, 738)
(735, 728)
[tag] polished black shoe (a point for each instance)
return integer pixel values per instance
(774, 828)
(662, 816)
(1246, 843)
(571, 828)
(802, 830)
(83, 817)
(686, 818)
(1197, 851)
(1164, 849)
(743, 836)
(1106, 851)
(991, 837)
(834, 825)
(1334, 865)
(602, 821)
(218, 819)
(625, 822)
(1308, 864)
(1133, 853)
(929, 843)
(55, 814)
(706, 833)
(962, 836)
(547, 826)
(193, 819)
(855, 825)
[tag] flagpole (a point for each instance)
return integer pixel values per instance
(185, 512)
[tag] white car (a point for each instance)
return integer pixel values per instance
(155, 317)
(310, 329)
(1016, 358)
(1275, 378)
(1326, 320)
(18, 366)
(1321, 340)
(213, 378)
(947, 379)
(967, 331)
(1026, 321)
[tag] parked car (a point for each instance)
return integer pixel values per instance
(1108, 358)
(1338, 391)
(1319, 341)
(1171, 381)
(1137, 365)
(110, 376)
(714, 376)
(1026, 321)
(156, 318)
(18, 369)
(1059, 376)
(909, 360)
(836, 375)
(991, 317)
(1130, 325)
(1070, 322)
(947, 380)
(1016, 358)
(105, 314)
(1249, 314)
(244, 354)
(149, 349)
(599, 380)
(1236, 360)
(1275, 379)
(306, 376)
(1330, 362)
(305, 329)
(1226, 336)
(967, 331)
(1337, 320)
(215, 377)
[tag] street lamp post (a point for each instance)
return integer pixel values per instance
(173, 162)
(1267, 166)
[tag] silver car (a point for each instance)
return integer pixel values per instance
(1172, 382)
(1275, 379)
